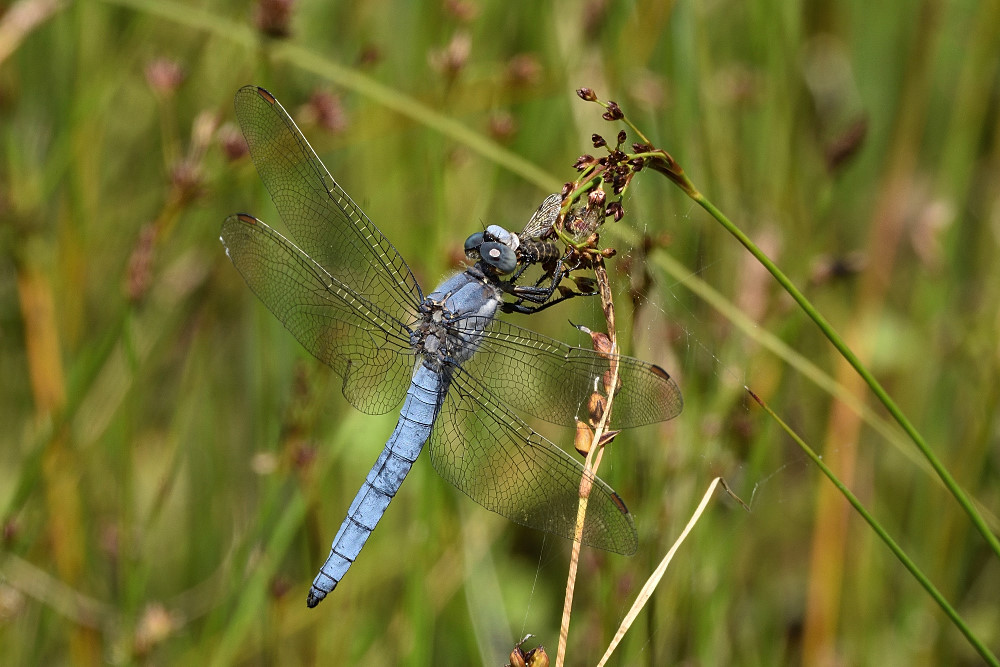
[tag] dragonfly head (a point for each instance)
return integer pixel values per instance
(495, 247)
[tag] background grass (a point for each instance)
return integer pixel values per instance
(174, 466)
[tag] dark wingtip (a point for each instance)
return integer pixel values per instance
(665, 376)
(632, 545)
(247, 218)
(619, 502)
(659, 371)
(268, 97)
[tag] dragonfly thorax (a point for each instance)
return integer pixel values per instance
(430, 337)
(453, 318)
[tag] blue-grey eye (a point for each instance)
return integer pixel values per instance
(499, 256)
(472, 244)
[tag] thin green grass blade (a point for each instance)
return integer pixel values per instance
(884, 536)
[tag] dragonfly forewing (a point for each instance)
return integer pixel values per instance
(368, 348)
(324, 221)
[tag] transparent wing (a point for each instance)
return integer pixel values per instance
(544, 218)
(325, 223)
(368, 348)
(554, 381)
(500, 462)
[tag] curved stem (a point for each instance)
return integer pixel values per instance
(884, 536)
(865, 374)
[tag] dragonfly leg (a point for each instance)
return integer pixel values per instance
(537, 294)
(519, 307)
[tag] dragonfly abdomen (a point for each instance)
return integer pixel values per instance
(538, 252)
(383, 480)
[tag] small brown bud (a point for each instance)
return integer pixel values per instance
(595, 407)
(575, 225)
(462, 10)
(139, 274)
(280, 586)
(273, 17)
(164, 76)
(601, 342)
(502, 126)
(582, 163)
(622, 137)
(234, 146)
(328, 111)
(586, 94)
(523, 70)
(583, 440)
(606, 382)
(846, 145)
(614, 112)
(537, 657)
(303, 455)
(598, 140)
(369, 55)
(621, 182)
(615, 209)
(451, 59)
(187, 180)
(11, 529)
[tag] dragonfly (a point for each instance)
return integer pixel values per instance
(463, 375)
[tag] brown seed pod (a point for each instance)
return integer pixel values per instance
(584, 438)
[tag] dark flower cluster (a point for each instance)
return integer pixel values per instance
(616, 169)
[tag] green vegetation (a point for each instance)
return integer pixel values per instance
(174, 465)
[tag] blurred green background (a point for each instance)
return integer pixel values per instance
(173, 465)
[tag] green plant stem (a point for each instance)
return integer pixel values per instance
(881, 532)
(865, 374)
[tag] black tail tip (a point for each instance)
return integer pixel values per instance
(314, 599)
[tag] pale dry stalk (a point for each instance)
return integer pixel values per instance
(592, 461)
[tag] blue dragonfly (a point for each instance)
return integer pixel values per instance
(346, 294)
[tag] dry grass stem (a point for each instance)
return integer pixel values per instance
(654, 579)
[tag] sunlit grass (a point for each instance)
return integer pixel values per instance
(175, 466)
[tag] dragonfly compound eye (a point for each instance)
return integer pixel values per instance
(472, 245)
(499, 256)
